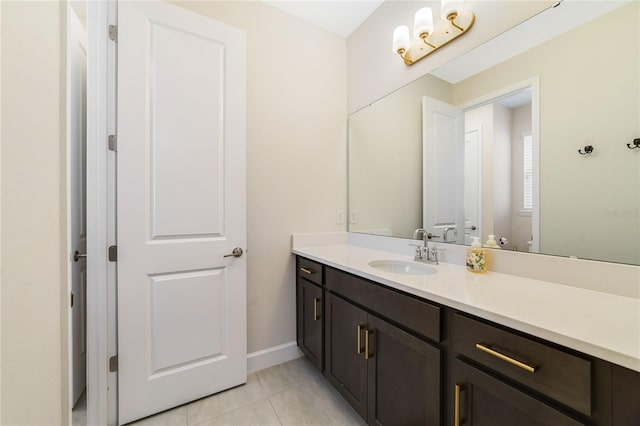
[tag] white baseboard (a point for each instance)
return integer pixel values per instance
(269, 357)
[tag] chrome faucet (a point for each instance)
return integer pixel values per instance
(445, 233)
(424, 253)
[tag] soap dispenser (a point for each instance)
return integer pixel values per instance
(491, 242)
(476, 256)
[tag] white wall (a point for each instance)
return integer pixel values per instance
(296, 151)
(385, 159)
(33, 214)
(374, 70)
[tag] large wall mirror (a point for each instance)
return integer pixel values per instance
(497, 141)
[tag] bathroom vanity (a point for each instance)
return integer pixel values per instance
(456, 348)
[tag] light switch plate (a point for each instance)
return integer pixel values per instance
(340, 217)
(353, 216)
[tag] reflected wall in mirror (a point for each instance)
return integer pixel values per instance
(511, 167)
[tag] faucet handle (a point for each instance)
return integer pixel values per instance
(435, 254)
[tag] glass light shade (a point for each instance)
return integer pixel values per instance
(401, 40)
(423, 22)
(450, 6)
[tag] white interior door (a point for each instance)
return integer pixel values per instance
(77, 182)
(472, 184)
(443, 155)
(181, 207)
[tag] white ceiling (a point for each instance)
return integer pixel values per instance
(339, 17)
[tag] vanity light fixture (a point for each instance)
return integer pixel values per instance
(428, 38)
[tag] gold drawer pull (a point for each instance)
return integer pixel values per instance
(456, 405)
(486, 349)
(315, 309)
(307, 271)
(359, 351)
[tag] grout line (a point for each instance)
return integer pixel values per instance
(274, 411)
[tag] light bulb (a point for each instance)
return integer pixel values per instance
(401, 40)
(423, 22)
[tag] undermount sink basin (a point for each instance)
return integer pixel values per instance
(402, 267)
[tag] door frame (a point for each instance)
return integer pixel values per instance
(100, 199)
(532, 83)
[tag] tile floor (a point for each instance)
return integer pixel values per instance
(294, 393)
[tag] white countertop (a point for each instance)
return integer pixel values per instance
(603, 325)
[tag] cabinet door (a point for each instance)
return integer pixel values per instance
(481, 399)
(309, 321)
(626, 391)
(403, 377)
(345, 366)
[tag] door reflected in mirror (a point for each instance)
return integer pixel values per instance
(495, 151)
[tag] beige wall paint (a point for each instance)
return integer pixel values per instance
(385, 159)
(585, 82)
(33, 213)
(374, 70)
(296, 151)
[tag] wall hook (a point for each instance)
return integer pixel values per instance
(636, 144)
(587, 150)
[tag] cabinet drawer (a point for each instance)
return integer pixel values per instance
(559, 375)
(310, 270)
(409, 312)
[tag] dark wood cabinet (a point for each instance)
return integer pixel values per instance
(345, 363)
(309, 326)
(625, 401)
(403, 377)
(557, 374)
(310, 310)
(482, 399)
(402, 360)
(389, 376)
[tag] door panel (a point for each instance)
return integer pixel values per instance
(181, 207)
(443, 154)
(472, 185)
(345, 367)
(404, 377)
(77, 181)
(310, 317)
(199, 130)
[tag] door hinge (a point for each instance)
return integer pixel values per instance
(113, 143)
(113, 33)
(113, 363)
(113, 253)
(72, 299)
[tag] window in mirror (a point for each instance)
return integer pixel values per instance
(527, 165)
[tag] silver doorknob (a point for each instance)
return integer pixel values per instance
(237, 252)
(77, 255)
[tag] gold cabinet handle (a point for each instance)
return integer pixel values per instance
(366, 345)
(485, 348)
(359, 351)
(307, 271)
(456, 405)
(315, 309)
